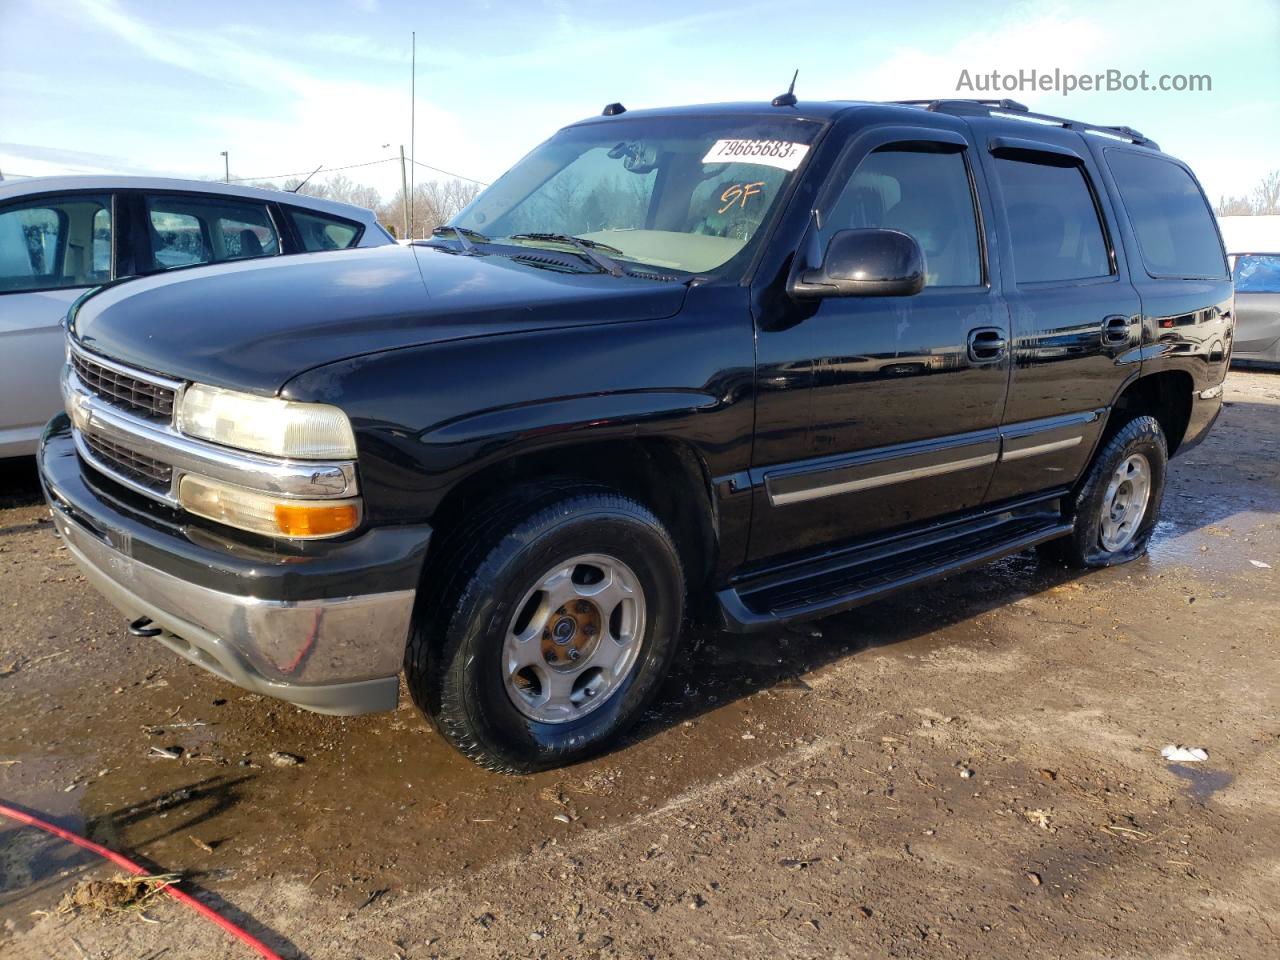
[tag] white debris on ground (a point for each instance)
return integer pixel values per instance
(1180, 754)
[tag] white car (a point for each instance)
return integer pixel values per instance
(61, 236)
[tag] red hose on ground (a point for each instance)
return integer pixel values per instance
(124, 863)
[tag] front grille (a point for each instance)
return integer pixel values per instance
(132, 466)
(142, 398)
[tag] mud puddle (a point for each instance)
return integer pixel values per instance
(1201, 783)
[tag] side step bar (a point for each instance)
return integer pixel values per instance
(840, 580)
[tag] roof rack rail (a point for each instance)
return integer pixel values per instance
(988, 107)
(942, 106)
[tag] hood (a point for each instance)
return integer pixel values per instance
(255, 324)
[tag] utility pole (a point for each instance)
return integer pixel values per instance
(226, 167)
(404, 193)
(413, 139)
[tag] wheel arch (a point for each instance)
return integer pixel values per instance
(667, 475)
(1166, 395)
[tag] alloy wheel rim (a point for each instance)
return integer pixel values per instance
(1125, 502)
(574, 638)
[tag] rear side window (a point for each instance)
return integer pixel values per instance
(1170, 216)
(319, 232)
(188, 230)
(923, 193)
(1257, 273)
(1053, 220)
(55, 242)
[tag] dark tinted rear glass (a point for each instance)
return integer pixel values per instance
(923, 194)
(1169, 214)
(1053, 221)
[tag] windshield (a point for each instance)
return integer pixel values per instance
(1257, 273)
(687, 194)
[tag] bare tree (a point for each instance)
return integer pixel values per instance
(342, 188)
(435, 202)
(1266, 195)
(307, 188)
(439, 201)
(1233, 206)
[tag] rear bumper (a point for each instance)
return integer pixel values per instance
(1206, 405)
(331, 642)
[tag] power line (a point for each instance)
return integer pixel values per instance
(368, 163)
(298, 173)
(456, 176)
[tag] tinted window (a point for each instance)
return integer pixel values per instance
(192, 230)
(926, 195)
(324, 233)
(1053, 222)
(1257, 273)
(55, 242)
(1170, 216)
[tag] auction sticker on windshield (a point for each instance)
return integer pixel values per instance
(770, 153)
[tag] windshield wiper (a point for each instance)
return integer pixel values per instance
(465, 236)
(588, 248)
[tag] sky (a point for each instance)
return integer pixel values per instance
(125, 86)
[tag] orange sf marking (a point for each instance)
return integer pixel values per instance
(738, 194)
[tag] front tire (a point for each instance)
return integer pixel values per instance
(1118, 504)
(558, 629)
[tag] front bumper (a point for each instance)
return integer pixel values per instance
(323, 626)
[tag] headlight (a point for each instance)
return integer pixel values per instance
(282, 428)
(266, 513)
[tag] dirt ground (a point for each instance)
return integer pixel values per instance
(972, 769)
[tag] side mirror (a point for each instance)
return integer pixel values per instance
(864, 263)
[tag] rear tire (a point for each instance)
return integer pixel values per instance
(560, 622)
(1118, 504)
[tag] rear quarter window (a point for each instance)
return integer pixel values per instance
(1170, 216)
(318, 232)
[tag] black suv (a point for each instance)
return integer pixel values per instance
(760, 362)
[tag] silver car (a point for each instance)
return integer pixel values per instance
(61, 236)
(1257, 278)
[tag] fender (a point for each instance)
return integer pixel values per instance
(428, 418)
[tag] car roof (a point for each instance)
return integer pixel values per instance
(998, 113)
(27, 186)
(821, 110)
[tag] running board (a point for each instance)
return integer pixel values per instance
(839, 580)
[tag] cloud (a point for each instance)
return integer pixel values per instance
(335, 88)
(296, 117)
(29, 160)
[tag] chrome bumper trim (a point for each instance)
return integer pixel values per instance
(312, 479)
(265, 645)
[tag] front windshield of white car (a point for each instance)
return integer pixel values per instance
(687, 194)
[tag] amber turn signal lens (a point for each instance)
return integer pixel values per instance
(316, 521)
(264, 513)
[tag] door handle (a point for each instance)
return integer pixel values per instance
(987, 345)
(1115, 331)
